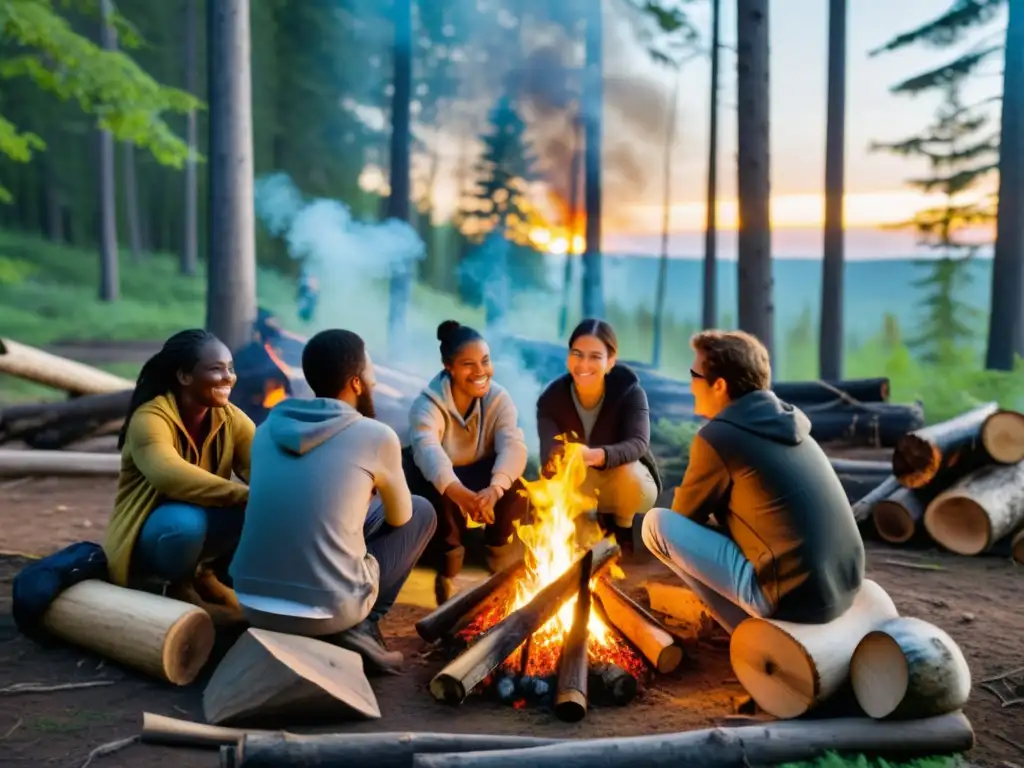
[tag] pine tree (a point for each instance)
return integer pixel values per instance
(962, 153)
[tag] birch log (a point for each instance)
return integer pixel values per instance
(978, 510)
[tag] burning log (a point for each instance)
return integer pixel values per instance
(876, 424)
(381, 750)
(790, 668)
(640, 628)
(955, 447)
(610, 683)
(573, 667)
(168, 639)
(909, 669)
(1018, 548)
(762, 744)
(36, 463)
(464, 604)
(53, 425)
(33, 364)
(978, 510)
(453, 683)
(896, 517)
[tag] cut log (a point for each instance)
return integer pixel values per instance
(168, 639)
(271, 674)
(453, 683)
(762, 744)
(1018, 547)
(951, 447)
(909, 669)
(876, 424)
(1003, 437)
(789, 668)
(573, 664)
(14, 463)
(53, 425)
(803, 393)
(172, 732)
(978, 510)
(33, 364)
(687, 617)
(641, 629)
(859, 478)
(865, 505)
(611, 684)
(442, 620)
(380, 750)
(897, 516)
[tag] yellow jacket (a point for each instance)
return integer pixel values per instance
(160, 462)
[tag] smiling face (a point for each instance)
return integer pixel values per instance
(589, 362)
(210, 383)
(471, 369)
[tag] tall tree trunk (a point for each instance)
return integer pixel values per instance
(709, 307)
(190, 241)
(593, 116)
(399, 171)
(54, 203)
(756, 311)
(109, 278)
(830, 341)
(1006, 316)
(131, 200)
(231, 286)
(666, 222)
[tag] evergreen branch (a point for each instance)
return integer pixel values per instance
(947, 29)
(951, 73)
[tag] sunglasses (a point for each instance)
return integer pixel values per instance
(695, 375)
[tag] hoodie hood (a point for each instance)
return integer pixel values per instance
(298, 426)
(763, 414)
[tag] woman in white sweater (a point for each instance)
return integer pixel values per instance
(467, 455)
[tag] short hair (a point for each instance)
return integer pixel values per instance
(453, 337)
(736, 357)
(159, 374)
(331, 359)
(599, 328)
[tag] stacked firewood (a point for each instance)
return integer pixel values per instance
(959, 482)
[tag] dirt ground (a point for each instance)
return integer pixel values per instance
(977, 600)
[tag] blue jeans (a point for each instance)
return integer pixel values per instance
(396, 549)
(709, 563)
(177, 537)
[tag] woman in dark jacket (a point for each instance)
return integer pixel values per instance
(601, 404)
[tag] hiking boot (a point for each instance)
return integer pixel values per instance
(365, 638)
(223, 615)
(499, 558)
(444, 588)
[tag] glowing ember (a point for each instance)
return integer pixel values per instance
(556, 538)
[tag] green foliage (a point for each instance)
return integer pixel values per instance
(834, 760)
(42, 47)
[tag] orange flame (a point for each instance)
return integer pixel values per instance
(273, 393)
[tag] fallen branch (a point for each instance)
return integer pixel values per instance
(14, 463)
(771, 743)
(58, 372)
(174, 732)
(44, 688)
(915, 566)
(108, 749)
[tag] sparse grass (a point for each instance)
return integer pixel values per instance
(833, 760)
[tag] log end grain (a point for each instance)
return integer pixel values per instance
(447, 689)
(909, 669)
(187, 646)
(915, 461)
(893, 522)
(789, 668)
(958, 523)
(1003, 437)
(571, 705)
(669, 659)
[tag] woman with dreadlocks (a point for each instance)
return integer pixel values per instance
(177, 511)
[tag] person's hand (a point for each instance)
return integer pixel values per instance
(594, 457)
(464, 498)
(485, 501)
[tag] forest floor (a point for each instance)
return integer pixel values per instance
(977, 600)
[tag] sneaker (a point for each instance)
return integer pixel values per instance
(366, 639)
(444, 588)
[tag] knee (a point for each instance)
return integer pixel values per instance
(652, 529)
(184, 524)
(424, 516)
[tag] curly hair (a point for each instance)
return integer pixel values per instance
(737, 357)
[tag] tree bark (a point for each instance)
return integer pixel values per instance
(831, 338)
(573, 665)
(709, 306)
(756, 308)
(666, 224)
(53, 425)
(611, 684)
(593, 117)
(110, 281)
(863, 508)
(897, 516)
(445, 617)
(37, 463)
(400, 289)
(657, 645)
(909, 669)
(952, 448)
(231, 280)
(767, 744)
(1006, 315)
(828, 390)
(190, 241)
(876, 424)
(978, 510)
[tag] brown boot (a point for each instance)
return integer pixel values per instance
(499, 558)
(222, 615)
(444, 588)
(214, 590)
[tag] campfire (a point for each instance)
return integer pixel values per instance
(552, 627)
(269, 369)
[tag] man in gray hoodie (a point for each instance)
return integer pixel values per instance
(331, 531)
